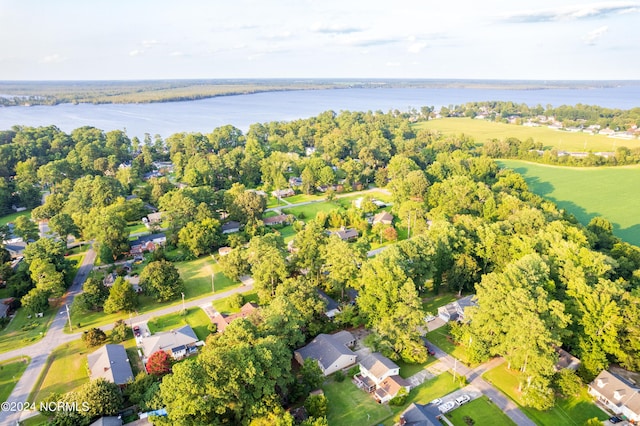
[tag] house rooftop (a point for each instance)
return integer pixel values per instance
(224, 320)
(331, 304)
(230, 226)
(377, 364)
(143, 239)
(111, 363)
(617, 390)
(327, 348)
(419, 415)
(169, 340)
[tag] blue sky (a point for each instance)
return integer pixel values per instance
(491, 39)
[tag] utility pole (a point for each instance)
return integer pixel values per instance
(183, 309)
(455, 368)
(68, 316)
(213, 288)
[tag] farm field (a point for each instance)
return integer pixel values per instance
(482, 131)
(587, 192)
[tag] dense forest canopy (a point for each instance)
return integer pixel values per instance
(538, 275)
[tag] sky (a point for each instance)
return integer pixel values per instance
(404, 39)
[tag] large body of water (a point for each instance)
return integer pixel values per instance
(243, 110)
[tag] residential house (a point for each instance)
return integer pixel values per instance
(456, 310)
(566, 360)
(385, 218)
(222, 321)
(4, 308)
(330, 351)
(295, 181)
(347, 234)
(420, 415)
(111, 363)
(331, 306)
(617, 394)
(380, 376)
(283, 193)
(147, 243)
(280, 219)
(223, 251)
(107, 421)
(177, 343)
(152, 219)
(230, 227)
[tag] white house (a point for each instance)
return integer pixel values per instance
(330, 351)
(617, 395)
(380, 376)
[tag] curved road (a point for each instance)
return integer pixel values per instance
(39, 352)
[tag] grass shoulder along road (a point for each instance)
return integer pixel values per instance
(441, 338)
(195, 317)
(10, 372)
(574, 411)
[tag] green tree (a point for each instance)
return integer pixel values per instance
(102, 398)
(122, 297)
(26, 229)
(201, 237)
(317, 405)
(341, 263)
(120, 332)
(234, 265)
(94, 294)
(267, 258)
(161, 279)
(63, 225)
(35, 301)
(94, 337)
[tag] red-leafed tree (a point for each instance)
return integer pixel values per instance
(159, 363)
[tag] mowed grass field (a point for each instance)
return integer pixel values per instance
(587, 192)
(482, 131)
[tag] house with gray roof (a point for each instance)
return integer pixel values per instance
(331, 306)
(230, 227)
(330, 351)
(419, 415)
(177, 343)
(617, 394)
(111, 363)
(456, 310)
(380, 377)
(347, 234)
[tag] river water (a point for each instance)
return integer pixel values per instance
(242, 110)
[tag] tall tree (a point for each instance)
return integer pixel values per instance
(122, 297)
(161, 279)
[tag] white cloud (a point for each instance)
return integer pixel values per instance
(594, 35)
(595, 10)
(416, 47)
(150, 43)
(322, 27)
(392, 64)
(136, 52)
(52, 59)
(176, 54)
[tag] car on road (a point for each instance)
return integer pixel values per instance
(446, 407)
(436, 401)
(615, 419)
(463, 399)
(430, 350)
(136, 330)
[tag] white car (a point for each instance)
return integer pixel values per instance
(436, 401)
(463, 399)
(447, 406)
(429, 318)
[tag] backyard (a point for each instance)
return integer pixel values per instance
(195, 317)
(10, 372)
(573, 411)
(441, 338)
(224, 306)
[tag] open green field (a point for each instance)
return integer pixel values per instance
(309, 211)
(10, 372)
(195, 317)
(196, 275)
(482, 411)
(587, 192)
(65, 370)
(570, 411)
(482, 131)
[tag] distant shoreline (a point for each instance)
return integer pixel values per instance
(28, 93)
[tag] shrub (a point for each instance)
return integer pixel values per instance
(213, 328)
(339, 376)
(354, 370)
(236, 301)
(316, 405)
(94, 337)
(400, 398)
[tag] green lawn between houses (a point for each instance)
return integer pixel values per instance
(440, 338)
(349, 405)
(10, 372)
(482, 131)
(196, 275)
(570, 411)
(195, 317)
(482, 411)
(13, 216)
(587, 192)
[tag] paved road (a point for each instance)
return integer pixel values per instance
(474, 377)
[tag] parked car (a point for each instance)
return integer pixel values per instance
(447, 406)
(615, 419)
(463, 399)
(436, 401)
(136, 330)
(429, 318)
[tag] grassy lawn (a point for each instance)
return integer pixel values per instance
(222, 305)
(482, 411)
(137, 227)
(303, 198)
(66, 370)
(23, 331)
(287, 233)
(432, 303)
(347, 201)
(39, 420)
(195, 317)
(196, 275)
(408, 370)
(310, 210)
(349, 405)
(482, 131)
(586, 192)
(439, 337)
(13, 216)
(570, 411)
(10, 372)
